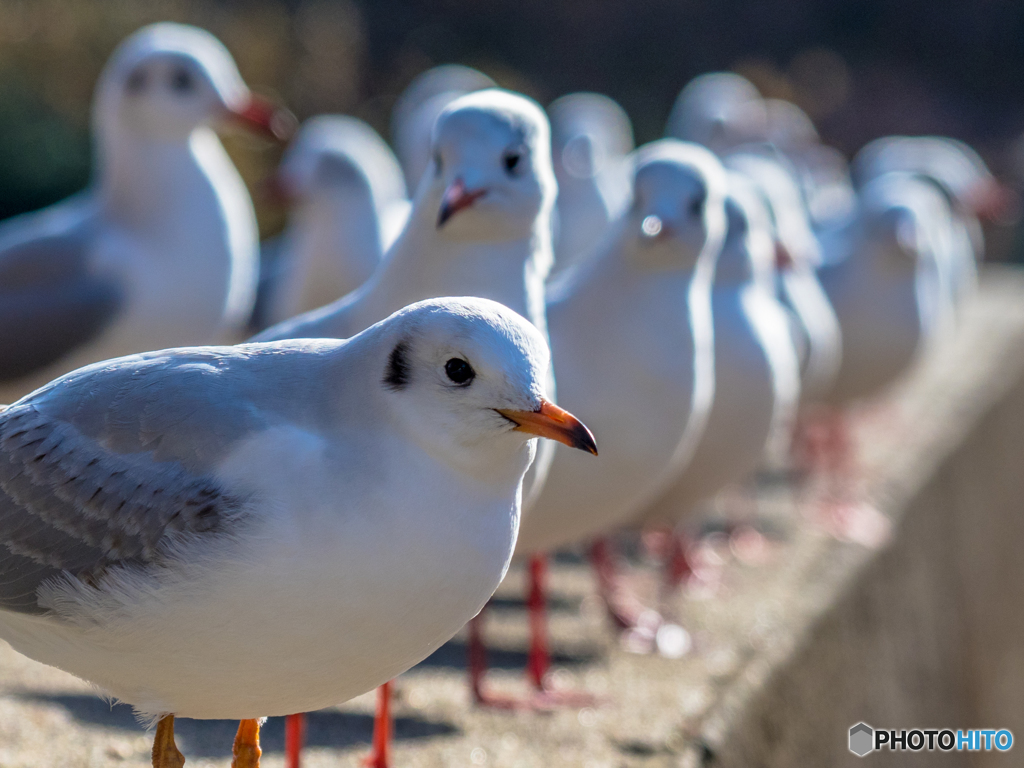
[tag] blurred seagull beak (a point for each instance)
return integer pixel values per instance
(457, 197)
(554, 423)
(783, 258)
(996, 203)
(265, 118)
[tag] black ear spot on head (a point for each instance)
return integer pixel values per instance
(396, 376)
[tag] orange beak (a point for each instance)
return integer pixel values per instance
(265, 118)
(457, 197)
(554, 423)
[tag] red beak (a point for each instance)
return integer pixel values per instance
(457, 197)
(265, 118)
(783, 258)
(996, 203)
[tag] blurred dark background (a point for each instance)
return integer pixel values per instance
(860, 68)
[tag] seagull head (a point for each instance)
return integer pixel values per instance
(491, 176)
(720, 110)
(465, 380)
(167, 79)
(338, 157)
(677, 213)
(899, 212)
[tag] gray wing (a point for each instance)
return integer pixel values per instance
(50, 302)
(106, 466)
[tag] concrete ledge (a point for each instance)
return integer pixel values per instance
(928, 631)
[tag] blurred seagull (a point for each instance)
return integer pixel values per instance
(885, 281)
(239, 532)
(798, 255)
(632, 331)
(417, 109)
(720, 110)
(348, 205)
(823, 172)
(757, 373)
(161, 249)
(885, 284)
(972, 192)
(591, 137)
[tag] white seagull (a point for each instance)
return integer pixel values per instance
(161, 249)
(417, 109)
(239, 532)
(757, 373)
(591, 137)
(720, 110)
(798, 254)
(823, 171)
(972, 192)
(348, 204)
(631, 329)
(885, 284)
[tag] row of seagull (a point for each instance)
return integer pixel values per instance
(280, 525)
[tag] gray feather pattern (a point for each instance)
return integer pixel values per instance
(67, 504)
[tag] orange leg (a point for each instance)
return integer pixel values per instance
(247, 750)
(165, 751)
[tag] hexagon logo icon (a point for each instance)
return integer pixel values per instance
(862, 739)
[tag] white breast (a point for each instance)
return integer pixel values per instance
(350, 573)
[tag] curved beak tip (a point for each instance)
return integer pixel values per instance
(554, 423)
(455, 199)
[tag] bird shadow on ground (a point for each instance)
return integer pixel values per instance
(213, 738)
(453, 655)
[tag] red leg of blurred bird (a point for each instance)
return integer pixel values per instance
(539, 660)
(477, 652)
(477, 661)
(624, 610)
(294, 733)
(845, 516)
(247, 750)
(677, 567)
(382, 724)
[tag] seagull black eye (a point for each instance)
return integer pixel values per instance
(182, 81)
(510, 160)
(459, 371)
